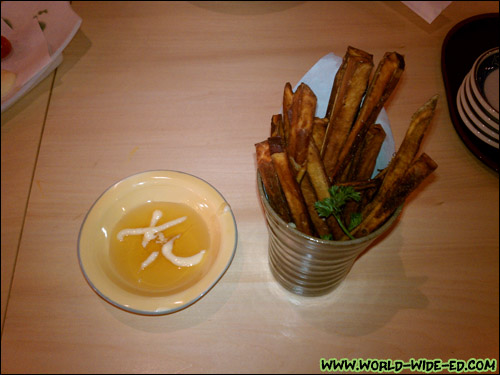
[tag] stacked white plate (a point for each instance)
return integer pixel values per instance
(477, 98)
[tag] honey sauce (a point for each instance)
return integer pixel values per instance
(160, 247)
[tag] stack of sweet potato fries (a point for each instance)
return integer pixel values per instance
(305, 156)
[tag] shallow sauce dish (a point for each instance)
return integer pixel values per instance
(94, 242)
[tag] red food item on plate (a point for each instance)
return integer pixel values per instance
(6, 47)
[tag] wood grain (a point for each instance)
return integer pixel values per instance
(191, 86)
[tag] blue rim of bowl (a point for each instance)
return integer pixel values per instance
(165, 311)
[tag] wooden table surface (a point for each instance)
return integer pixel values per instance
(191, 86)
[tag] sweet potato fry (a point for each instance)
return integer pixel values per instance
(361, 186)
(367, 188)
(290, 186)
(270, 180)
(305, 155)
(319, 131)
(287, 110)
(363, 164)
(310, 199)
(422, 167)
(277, 126)
(316, 171)
(320, 182)
(348, 90)
(318, 134)
(406, 152)
(418, 171)
(303, 111)
(381, 86)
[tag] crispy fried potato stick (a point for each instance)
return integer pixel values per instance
(422, 167)
(287, 110)
(406, 152)
(335, 229)
(367, 188)
(384, 81)
(363, 164)
(277, 126)
(380, 175)
(290, 186)
(310, 199)
(362, 185)
(316, 171)
(271, 182)
(318, 134)
(319, 131)
(347, 92)
(296, 156)
(320, 182)
(303, 111)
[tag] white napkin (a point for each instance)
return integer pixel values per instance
(428, 10)
(320, 79)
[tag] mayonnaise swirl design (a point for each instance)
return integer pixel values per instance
(155, 232)
(166, 250)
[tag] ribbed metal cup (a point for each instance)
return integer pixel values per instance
(307, 265)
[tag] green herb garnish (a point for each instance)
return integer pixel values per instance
(355, 220)
(333, 205)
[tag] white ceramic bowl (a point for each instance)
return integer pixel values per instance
(483, 120)
(475, 118)
(484, 82)
(132, 192)
(469, 123)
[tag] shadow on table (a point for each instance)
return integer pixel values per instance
(368, 299)
(192, 315)
(73, 53)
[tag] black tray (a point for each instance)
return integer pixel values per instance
(462, 45)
